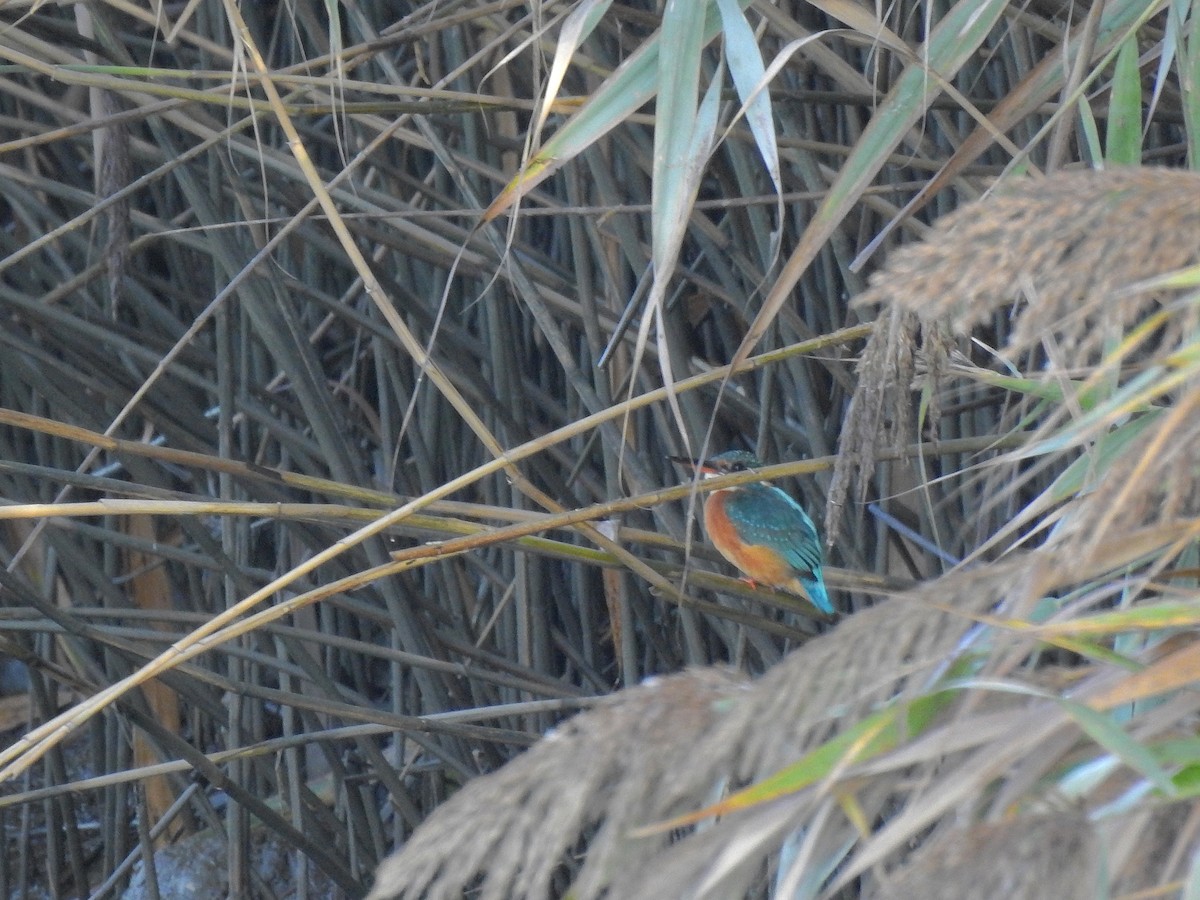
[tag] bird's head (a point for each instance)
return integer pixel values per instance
(722, 463)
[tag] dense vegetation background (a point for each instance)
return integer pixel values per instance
(358, 489)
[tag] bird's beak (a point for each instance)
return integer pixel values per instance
(696, 465)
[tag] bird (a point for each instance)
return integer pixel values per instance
(761, 530)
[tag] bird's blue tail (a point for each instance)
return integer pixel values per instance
(816, 593)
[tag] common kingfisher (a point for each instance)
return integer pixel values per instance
(761, 530)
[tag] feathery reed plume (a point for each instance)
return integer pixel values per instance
(1047, 856)
(1069, 246)
(653, 751)
(1071, 252)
